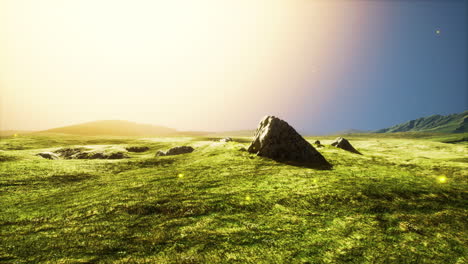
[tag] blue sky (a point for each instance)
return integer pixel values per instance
(405, 70)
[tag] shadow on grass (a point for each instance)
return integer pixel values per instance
(64, 178)
(305, 165)
(4, 158)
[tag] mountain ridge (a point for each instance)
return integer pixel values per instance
(452, 123)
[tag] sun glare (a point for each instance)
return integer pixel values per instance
(162, 62)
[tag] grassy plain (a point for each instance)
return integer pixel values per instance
(403, 201)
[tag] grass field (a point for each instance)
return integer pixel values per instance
(405, 200)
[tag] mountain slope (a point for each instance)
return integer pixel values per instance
(454, 123)
(114, 128)
(351, 131)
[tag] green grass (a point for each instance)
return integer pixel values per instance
(222, 205)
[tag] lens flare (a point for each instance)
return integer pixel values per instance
(442, 179)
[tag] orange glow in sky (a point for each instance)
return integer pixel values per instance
(198, 65)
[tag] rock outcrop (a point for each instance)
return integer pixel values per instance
(137, 149)
(276, 139)
(344, 144)
(48, 155)
(228, 139)
(88, 153)
(175, 151)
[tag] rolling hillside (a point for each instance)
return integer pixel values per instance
(454, 123)
(4, 133)
(114, 128)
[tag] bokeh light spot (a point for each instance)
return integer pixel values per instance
(442, 179)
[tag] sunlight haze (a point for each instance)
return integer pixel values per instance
(203, 65)
(323, 66)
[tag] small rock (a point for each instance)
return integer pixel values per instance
(317, 143)
(228, 139)
(48, 155)
(343, 143)
(160, 153)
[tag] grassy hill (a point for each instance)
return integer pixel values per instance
(454, 123)
(403, 201)
(5, 133)
(114, 128)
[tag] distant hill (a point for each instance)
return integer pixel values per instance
(114, 128)
(4, 133)
(454, 123)
(351, 131)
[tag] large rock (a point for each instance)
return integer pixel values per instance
(48, 155)
(176, 151)
(276, 139)
(343, 143)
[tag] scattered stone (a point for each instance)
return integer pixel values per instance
(48, 155)
(276, 139)
(343, 143)
(175, 151)
(137, 149)
(228, 139)
(317, 143)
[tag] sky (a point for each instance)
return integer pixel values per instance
(323, 66)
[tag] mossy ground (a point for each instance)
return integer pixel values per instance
(403, 201)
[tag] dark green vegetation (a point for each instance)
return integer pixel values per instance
(454, 123)
(403, 201)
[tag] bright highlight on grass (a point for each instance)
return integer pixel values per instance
(180, 175)
(247, 198)
(442, 179)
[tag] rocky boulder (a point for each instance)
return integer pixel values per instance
(176, 151)
(48, 155)
(343, 143)
(276, 139)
